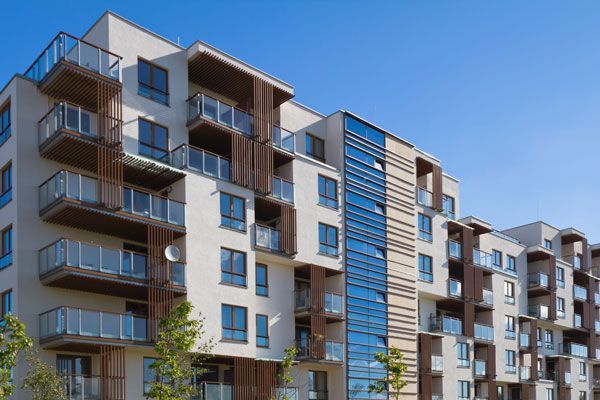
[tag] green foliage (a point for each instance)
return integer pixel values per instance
(42, 380)
(13, 341)
(284, 376)
(394, 365)
(176, 347)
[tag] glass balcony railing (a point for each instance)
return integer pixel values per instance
(484, 332)
(568, 380)
(424, 197)
(202, 161)
(437, 363)
(596, 297)
(454, 249)
(90, 257)
(437, 397)
(283, 189)
(597, 354)
(480, 367)
(216, 391)
(595, 271)
(597, 326)
(334, 351)
(67, 116)
(482, 258)
(579, 292)
(224, 114)
(334, 303)
(574, 260)
(524, 341)
(574, 349)
(96, 324)
(267, 238)
(538, 311)
(488, 297)
(290, 393)
(446, 324)
(302, 299)
(525, 373)
(284, 139)
(83, 188)
(535, 279)
(82, 387)
(577, 320)
(65, 47)
(455, 288)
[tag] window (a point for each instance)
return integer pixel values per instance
(509, 327)
(549, 339)
(328, 239)
(500, 392)
(511, 264)
(582, 371)
(262, 280)
(582, 395)
(328, 192)
(153, 140)
(510, 362)
(150, 376)
(5, 303)
(153, 82)
(317, 385)
(233, 267)
(560, 277)
(539, 337)
(315, 147)
(425, 270)
(262, 330)
(448, 206)
(234, 322)
(497, 259)
(509, 292)
(4, 123)
(6, 256)
(548, 244)
(381, 341)
(462, 354)
(425, 227)
(463, 390)
(549, 394)
(233, 212)
(560, 307)
(380, 297)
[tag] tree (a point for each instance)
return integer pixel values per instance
(394, 365)
(178, 334)
(13, 341)
(42, 380)
(284, 375)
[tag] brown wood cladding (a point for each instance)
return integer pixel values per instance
(437, 188)
(469, 281)
(288, 230)
(262, 110)
(266, 379)
(425, 377)
(469, 322)
(467, 244)
(478, 284)
(552, 306)
(524, 391)
(160, 278)
(534, 350)
(112, 373)
(241, 160)
(584, 258)
(317, 289)
(552, 271)
(491, 359)
(317, 336)
(263, 167)
(244, 378)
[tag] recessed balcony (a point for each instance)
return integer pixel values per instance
(455, 249)
(573, 349)
(538, 284)
(482, 259)
(579, 293)
(71, 68)
(540, 311)
(76, 329)
(480, 368)
(446, 324)
(84, 266)
(267, 238)
(484, 332)
(71, 199)
(308, 348)
(333, 305)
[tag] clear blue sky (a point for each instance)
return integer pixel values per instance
(506, 93)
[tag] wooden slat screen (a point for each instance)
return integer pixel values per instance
(263, 168)
(160, 276)
(425, 348)
(244, 378)
(112, 373)
(263, 110)
(584, 254)
(467, 245)
(317, 289)
(266, 379)
(241, 161)
(533, 346)
(552, 271)
(288, 230)
(317, 332)
(478, 284)
(469, 322)
(437, 188)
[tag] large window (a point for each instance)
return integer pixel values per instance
(315, 147)
(560, 307)
(328, 239)
(548, 244)
(497, 259)
(510, 361)
(262, 280)
(6, 184)
(511, 264)
(549, 394)
(153, 82)
(4, 123)
(463, 390)
(233, 267)
(234, 321)
(150, 376)
(509, 292)
(582, 395)
(560, 277)
(262, 330)
(6, 249)
(582, 371)
(153, 140)
(233, 212)
(317, 385)
(328, 192)
(425, 268)
(425, 227)
(549, 339)
(509, 327)
(448, 206)
(462, 354)
(5, 303)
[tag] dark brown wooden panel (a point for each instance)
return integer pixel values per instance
(263, 168)
(552, 306)
(469, 319)
(317, 289)
(263, 110)
(469, 281)
(467, 245)
(437, 188)
(425, 349)
(478, 284)
(318, 331)
(112, 373)
(160, 278)
(244, 378)
(288, 230)
(241, 161)
(534, 350)
(491, 359)
(266, 379)
(552, 271)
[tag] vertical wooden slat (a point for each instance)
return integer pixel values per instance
(288, 230)
(425, 378)
(160, 295)
(469, 319)
(241, 161)
(478, 284)
(112, 373)
(266, 379)
(437, 188)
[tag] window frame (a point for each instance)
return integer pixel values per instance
(265, 286)
(311, 152)
(231, 271)
(233, 329)
(560, 312)
(424, 234)
(582, 376)
(425, 276)
(231, 216)
(462, 362)
(509, 321)
(447, 199)
(325, 244)
(511, 261)
(5, 130)
(548, 244)
(509, 298)
(6, 303)
(461, 386)
(510, 361)
(548, 333)
(325, 198)
(156, 378)
(266, 338)
(152, 146)
(151, 87)
(497, 256)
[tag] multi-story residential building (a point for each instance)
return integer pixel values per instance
(323, 232)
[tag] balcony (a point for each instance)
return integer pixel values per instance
(201, 161)
(334, 350)
(83, 387)
(568, 380)
(437, 363)
(446, 324)
(538, 279)
(70, 69)
(283, 189)
(524, 340)
(482, 259)
(597, 298)
(480, 368)
(525, 373)
(284, 139)
(577, 320)
(488, 297)
(424, 197)
(597, 326)
(75, 329)
(334, 303)
(455, 288)
(206, 109)
(455, 249)
(302, 299)
(437, 397)
(71, 199)
(484, 332)
(83, 266)
(579, 293)
(538, 311)
(574, 349)
(267, 238)
(574, 260)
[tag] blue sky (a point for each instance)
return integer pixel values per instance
(506, 93)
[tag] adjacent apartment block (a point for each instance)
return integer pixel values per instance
(322, 232)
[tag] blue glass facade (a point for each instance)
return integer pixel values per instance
(365, 258)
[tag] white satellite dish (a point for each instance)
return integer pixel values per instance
(172, 253)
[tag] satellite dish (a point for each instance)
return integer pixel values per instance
(172, 253)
